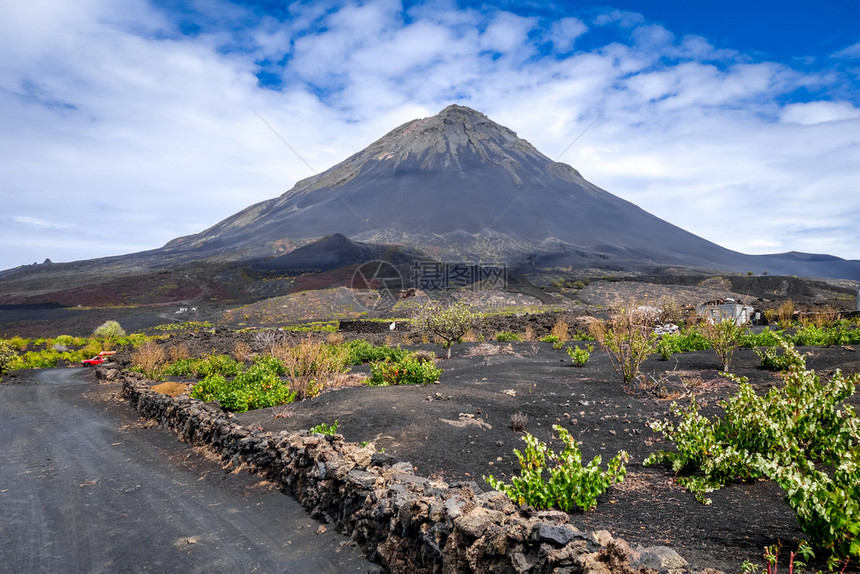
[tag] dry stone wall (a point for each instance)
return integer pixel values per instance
(405, 523)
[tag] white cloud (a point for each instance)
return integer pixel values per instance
(818, 112)
(130, 134)
(564, 32)
(623, 18)
(851, 52)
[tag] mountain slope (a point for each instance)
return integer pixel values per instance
(463, 187)
(455, 187)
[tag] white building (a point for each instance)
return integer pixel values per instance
(716, 312)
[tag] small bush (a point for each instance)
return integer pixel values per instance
(628, 339)
(45, 359)
(773, 359)
(324, 429)
(178, 352)
(550, 339)
(568, 485)
(424, 356)
(827, 316)
(109, 331)
(449, 322)
(578, 356)
(64, 341)
(785, 314)
(7, 357)
(690, 340)
(242, 352)
(724, 336)
(18, 343)
(258, 387)
(671, 312)
(561, 331)
(204, 366)
(507, 337)
(149, 359)
(310, 364)
(361, 351)
(408, 371)
(802, 435)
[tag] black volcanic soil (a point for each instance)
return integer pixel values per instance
(459, 430)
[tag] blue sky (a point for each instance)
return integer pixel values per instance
(125, 125)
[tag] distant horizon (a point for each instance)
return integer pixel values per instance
(128, 126)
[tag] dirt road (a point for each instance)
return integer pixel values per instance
(84, 487)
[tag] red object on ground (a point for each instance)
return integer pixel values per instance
(98, 359)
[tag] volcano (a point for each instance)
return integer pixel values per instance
(455, 188)
(459, 186)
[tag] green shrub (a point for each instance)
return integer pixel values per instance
(766, 338)
(273, 364)
(194, 326)
(204, 366)
(7, 357)
(64, 340)
(550, 339)
(110, 330)
(839, 334)
(213, 364)
(724, 336)
(449, 322)
(507, 336)
(258, 387)
(134, 340)
(361, 351)
(18, 343)
(802, 436)
(773, 359)
(322, 428)
(182, 368)
(690, 340)
(578, 356)
(44, 359)
(568, 485)
(408, 371)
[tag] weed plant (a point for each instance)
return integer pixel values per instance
(324, 429)
(561, 331)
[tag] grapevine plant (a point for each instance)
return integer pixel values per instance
(802, 436)
(569, 485)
